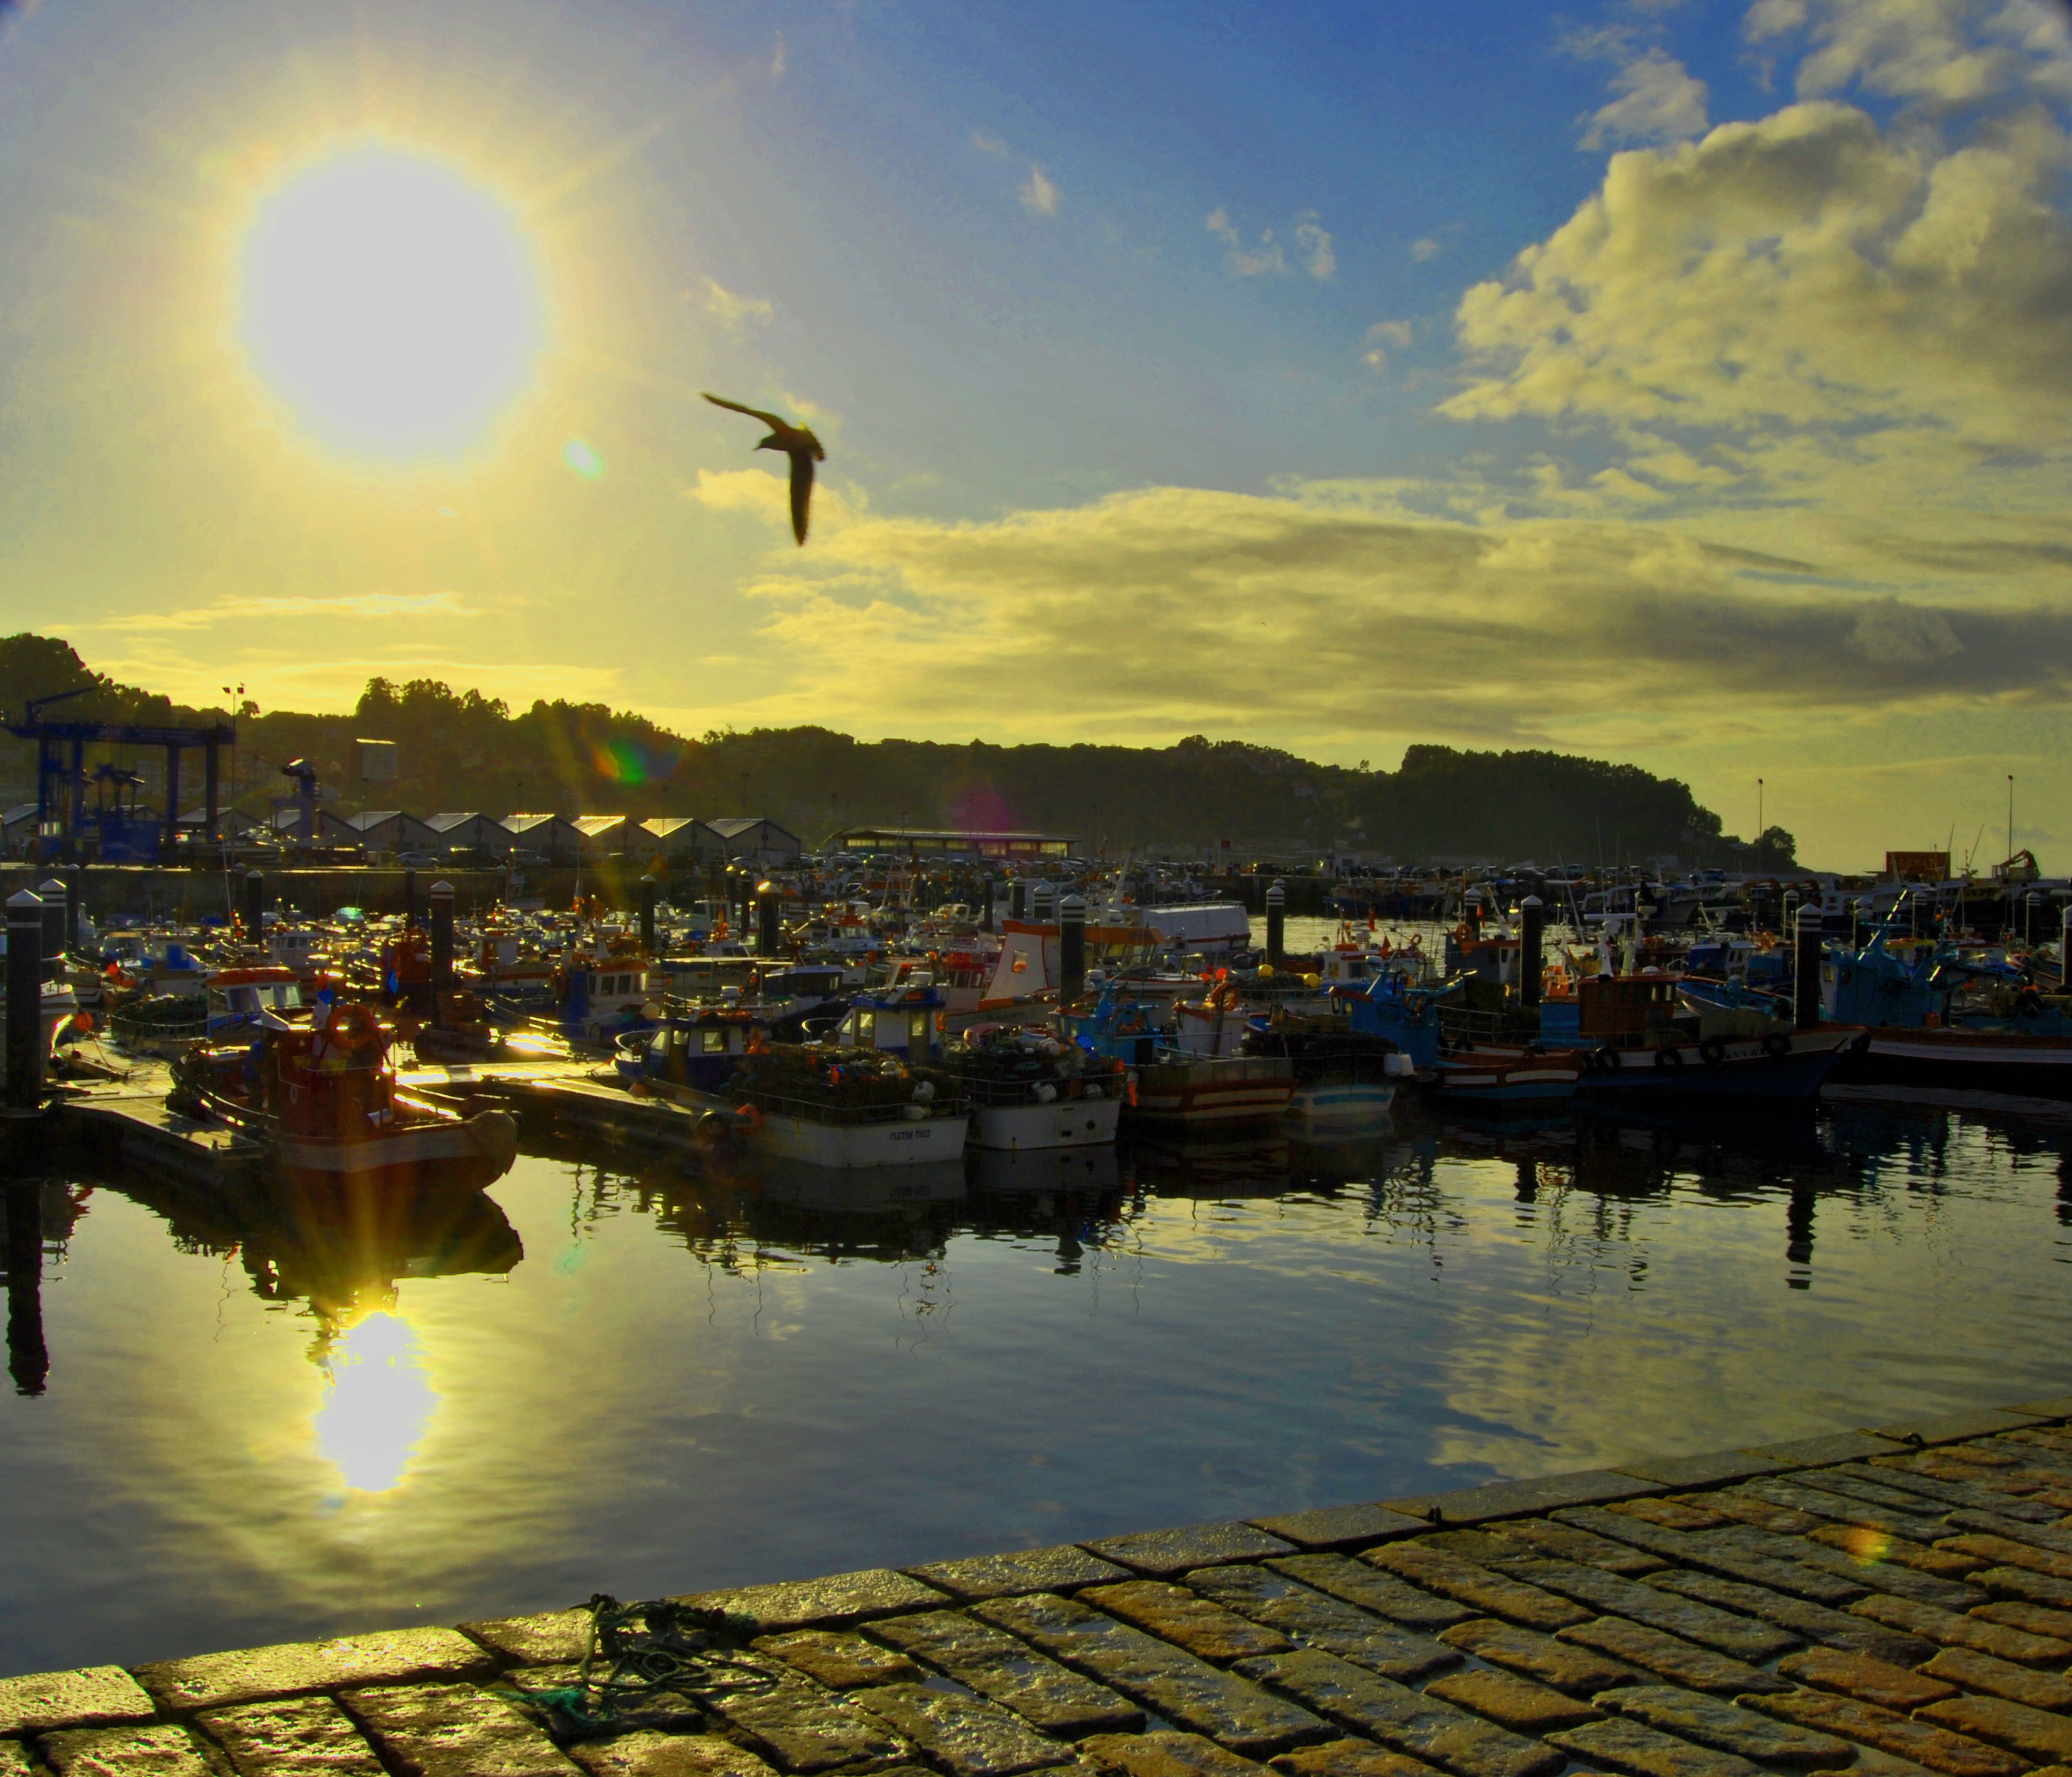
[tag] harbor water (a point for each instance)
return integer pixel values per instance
(250, 1432)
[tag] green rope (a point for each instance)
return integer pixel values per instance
(652, 1649)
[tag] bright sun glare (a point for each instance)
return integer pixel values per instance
(392, 305)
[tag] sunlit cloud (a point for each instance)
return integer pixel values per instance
(1241, 261)
(1313, 246)
(1038, 194)
(780, 58)
(365, 605)
(733, 310)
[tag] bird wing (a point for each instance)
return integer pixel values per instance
(769, 420)
(802, 491)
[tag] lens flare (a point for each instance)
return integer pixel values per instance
(581, 456)
(391, 305)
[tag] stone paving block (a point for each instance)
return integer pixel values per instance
(2027, 1584)
(1954, 1428)
(94, 1696)
(651, 1754)
(1162, 1553)
(1939, 1494)
(1175, 1613)
(1942, 1563)
(1435, 1571)
(1552, 1541)
(166, 1750)
(1814, 1622)
(1169, 1682)
(1405, 1720)
(1745, 1508)
(1721, 1725)
(1049, 1696)
(1866, 1679)
(1687, 1550)
(2036, 1618)
(1317, 1620)
(454, 1730)
(1932, 1748)
(1634, 1748)
(1847, 1446)
(2055, 1407)
(803, 1727)
(1914, 1525)
(1513, 1702)
(1480, 1546)
(840, 1659)
(965, 1736)
(1473, 1505)
(1618, 1596)
(1561, 1664)
(1667, 1656)
(1951, 1629)
(2034, 1734)
(1359, 1582)
(1716, 1469)
(1672, 1514)
(394, 1656)
(14, 1759)
(2010, 1552)
(1348, 1759)
(1164, 1755)
(2003, 1524)
(664, 1711)
(1341, 1527)
(545, 1638)
(1973, 1671)
(1065, 1567)
(1863, 1563)
(823, 1603)
(296, 1736)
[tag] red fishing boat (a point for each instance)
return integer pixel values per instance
(322, 1096)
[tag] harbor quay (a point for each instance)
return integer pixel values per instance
(1890, 1601)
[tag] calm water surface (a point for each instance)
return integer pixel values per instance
(646, 1384)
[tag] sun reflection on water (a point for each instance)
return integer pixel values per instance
(381, 1402)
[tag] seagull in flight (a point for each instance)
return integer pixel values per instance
(797, 443)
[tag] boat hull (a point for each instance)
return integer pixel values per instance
(844, 1147)
(465, 1155)
(1966, 1061)
(1202, 1093)
(1330, 1106)
(1747, 1072)
(1065, 1123)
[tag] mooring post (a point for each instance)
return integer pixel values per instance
(75, 907)
(770, 925)
(1042, 903)
(1532, 924)
(28, 1361)
(25, 1000)
(650, 890)
(412, 917)
(442, 937)
(1276, 922)
(985, 905)
(53, 892)
(255, 906)
(1805, 970)
(1071, 949)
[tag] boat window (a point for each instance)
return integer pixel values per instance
(866, 1028)
(715, 1043)
(919, 1028)
(660, 1047)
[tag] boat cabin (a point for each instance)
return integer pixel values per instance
(1617, 1011)
(239, 998)
(909, 1022)
(700, 1048)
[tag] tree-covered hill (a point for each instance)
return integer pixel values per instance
(461, 750)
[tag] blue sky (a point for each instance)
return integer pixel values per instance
(1683, 383)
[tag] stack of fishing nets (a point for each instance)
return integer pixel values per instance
(850, 1078)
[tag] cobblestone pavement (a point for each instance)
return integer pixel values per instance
(1887, 1603)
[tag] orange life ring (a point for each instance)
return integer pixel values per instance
(352, 1026)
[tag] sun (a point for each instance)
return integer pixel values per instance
(390, 304)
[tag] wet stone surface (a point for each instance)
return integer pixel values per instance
(1466, 1583)
(1160, 1553)
(1362, 1584)
(1813, 1622)
(651, 1754)
(667, 1710)
(839, 1658)
(299, 1736)
(1966, 1669)
(2034, 1734)
(804, 1727)
(1187, 1619)
(1317, 1620)
(1633, 1747)
(1063, 1569)
(1348, 1759)
(454, 1730)
(95, 1696)
(1164, 1755)
(1666, 1656)
(965, 1736)
(165, 1750)
(396, 1656)
(1513, 1702)
(1720, 1724)
(1861, 1677)
(547, 1638)
(997, 1666)
(1562, 1664)
(809, 1604)
(1721, 1630)
(1922, 1742)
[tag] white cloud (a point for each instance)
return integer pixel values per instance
(1658, 100)
(1426, 248)
(1939, 52)
(365, 605)
(780, 58)
(1254, 262)
(1039, 195)
(1314, 246)
(1381, 335)
(988, 144)
(734, 311)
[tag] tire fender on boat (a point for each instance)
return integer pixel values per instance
(1713, 1051)
(1776, 1046)
(1668, 1058)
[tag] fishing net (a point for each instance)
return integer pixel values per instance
(648, 1661)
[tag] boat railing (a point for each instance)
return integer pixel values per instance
(821, 1110)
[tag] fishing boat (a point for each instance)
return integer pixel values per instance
(322, 1097)
(1345, 1079)
(1029, 1090)
(1177, 1086)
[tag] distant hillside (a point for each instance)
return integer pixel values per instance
(461, 750)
